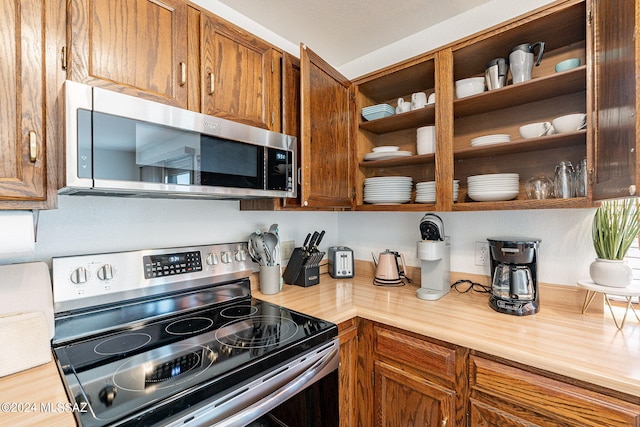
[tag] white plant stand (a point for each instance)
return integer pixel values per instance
(628, 293)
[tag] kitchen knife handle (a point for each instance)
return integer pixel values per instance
(313, 240)
(320, 238)
(304, 245)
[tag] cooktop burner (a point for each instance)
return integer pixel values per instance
(240, 310)
(189, 326)
(122, 343)
(256, 332)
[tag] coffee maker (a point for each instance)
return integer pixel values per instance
(433, 252)
(514, 281)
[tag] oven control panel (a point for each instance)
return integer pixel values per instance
(88, 280)
(170, 264)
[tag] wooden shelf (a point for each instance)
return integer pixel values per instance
(571, 81)
(523, 145)
(399, 161)
(576, 203)
(415, 118)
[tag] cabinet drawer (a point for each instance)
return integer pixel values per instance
(420, 354)
(544, 398)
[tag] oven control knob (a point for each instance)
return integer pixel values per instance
(226, 257)
(241, 255)
(79, 276)
(212, 259)
(106, 272)
(108, 394)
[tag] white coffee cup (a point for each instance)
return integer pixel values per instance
(426, 140)
(418, 100)
(403, 106)
(431, 99)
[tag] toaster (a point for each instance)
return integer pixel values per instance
(340, 262)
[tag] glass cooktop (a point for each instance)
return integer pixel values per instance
(196, 354)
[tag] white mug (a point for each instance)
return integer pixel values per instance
(431, 99)
(418, 100)
(403, 106)
(426, 140)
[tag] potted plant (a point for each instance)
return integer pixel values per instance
(615, 225)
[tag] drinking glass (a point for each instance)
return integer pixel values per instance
(564, 180)
(581, 179)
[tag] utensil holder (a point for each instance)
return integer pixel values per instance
(303, 268)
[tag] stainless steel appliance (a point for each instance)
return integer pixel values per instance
(173, 337)
(514, 275)
(390, 269)
(340, 262)
(121, 145)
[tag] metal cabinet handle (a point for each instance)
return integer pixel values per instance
(212, 83)
(33, 147)
(444, 422)
(183, 74)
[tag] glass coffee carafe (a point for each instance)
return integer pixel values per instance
(514, 288)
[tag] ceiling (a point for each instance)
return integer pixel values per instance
(344, 30)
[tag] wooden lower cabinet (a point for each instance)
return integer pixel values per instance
(408, 380)
(502, 395)
(348, 334)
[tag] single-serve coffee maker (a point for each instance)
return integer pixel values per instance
(514, 281)
(433, 251)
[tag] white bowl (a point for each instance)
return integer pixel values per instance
(385, 148)
(470, 86)
(569, 123)
(535, 130)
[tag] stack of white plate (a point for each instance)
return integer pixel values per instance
(384, 152)
(490, 139)
(426, 191)
(378, 111)
(388, 189)
(493, 187)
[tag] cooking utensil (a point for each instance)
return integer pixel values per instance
(521, 60)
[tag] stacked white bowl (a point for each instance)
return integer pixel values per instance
(493, 187)
(388, 189)
(426, 191)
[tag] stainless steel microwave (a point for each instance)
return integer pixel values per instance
(121, 145)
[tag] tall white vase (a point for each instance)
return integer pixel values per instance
(611, 272)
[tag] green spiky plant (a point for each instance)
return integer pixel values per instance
(615, 225)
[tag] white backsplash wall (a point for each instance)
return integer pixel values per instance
(84, 225)
(565, 249)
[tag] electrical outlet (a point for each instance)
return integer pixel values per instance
(287, 249)
(482, 253)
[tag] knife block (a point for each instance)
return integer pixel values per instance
(303, 268)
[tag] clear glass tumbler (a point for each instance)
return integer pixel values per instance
(564, 186)
(581, 179)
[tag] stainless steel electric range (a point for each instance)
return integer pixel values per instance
(173, 337)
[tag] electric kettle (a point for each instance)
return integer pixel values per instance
(390, 269)
(521, 61)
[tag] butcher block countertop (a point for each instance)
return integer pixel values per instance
(559, 338)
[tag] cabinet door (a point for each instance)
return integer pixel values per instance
(348, 361)
(616, 119)
(133, 46)
(237, 75)
(404, 399)
(325, 126)
(22, 60)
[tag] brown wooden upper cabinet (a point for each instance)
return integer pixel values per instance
(24, 142)
(602, 34)
(133, 46)
(240, 75)
(326, 134)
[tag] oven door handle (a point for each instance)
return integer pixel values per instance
(322, 367)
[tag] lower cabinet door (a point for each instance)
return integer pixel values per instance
(481, 415)
(405, 399)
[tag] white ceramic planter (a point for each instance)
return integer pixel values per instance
(614, 273)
